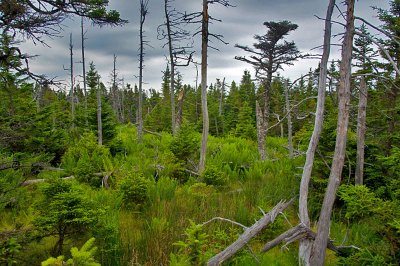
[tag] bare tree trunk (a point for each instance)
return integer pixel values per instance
(306, 244)
(361, 128)
(321, 239)
(289, 120)
(260, 135)
(84, 72)
(204, 47)
(172, 63)
(114, 89)
(72, 81)
(262, 130)
(143, 13)
(99, 121)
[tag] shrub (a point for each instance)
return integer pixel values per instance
(133, 188)
(86, 158)
(213, 176)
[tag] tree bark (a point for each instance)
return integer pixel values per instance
(361, 128)
(260, 135)
(72, 81)
(289, 120)
(204, 109)
(84, 72)
(321, 239)
(248, 234)
(143, 13)
(306, 244)
(172, 64)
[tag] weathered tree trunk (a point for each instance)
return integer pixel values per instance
(72, 81)
(265, 116)
(143, 13)
(260, 135)
(172, 63)
(306, 244)
(361, 128)
(84, 72)
(114, 90)
(204, 108)
(289, 120)
(99, 121)
(321, 239)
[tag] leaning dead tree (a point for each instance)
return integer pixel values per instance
(321, 239)
(248, 234)
(204, 18)
(179, 54)
(305, 243)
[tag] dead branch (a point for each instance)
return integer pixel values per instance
(299, 232)
(248, 234)
(36, 181)
(225, 220)
(152, 133)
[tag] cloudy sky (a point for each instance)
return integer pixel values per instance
(239, 25)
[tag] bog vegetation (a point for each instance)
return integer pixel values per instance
(69, 197)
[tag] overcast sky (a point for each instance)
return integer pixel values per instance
(239, 25)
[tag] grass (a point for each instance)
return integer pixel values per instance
(145, 235)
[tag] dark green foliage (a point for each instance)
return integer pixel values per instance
(185, 144)
(212, 175)
(86, 158)
(245, 127)
(133, 188)
(64, 211)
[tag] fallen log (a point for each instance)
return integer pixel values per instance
(248, 234)
(36, 181)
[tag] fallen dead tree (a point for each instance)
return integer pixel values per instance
(299, 232)
(36, 181)
(248, 234)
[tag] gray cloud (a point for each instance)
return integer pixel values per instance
(239, 25)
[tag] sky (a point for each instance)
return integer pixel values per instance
(239, 25)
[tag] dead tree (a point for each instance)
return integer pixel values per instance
(248, 234)
(84, 70)
(72, 93)
(205, 37)
(289, 119)
(143, 14)
(361, 128)
(179, 55)
(306, 244)
(321, 239)
(115, 95)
